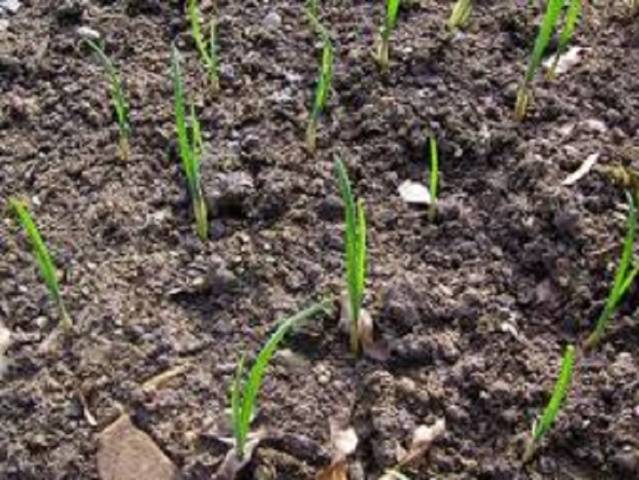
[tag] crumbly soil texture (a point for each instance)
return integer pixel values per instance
(475, 308)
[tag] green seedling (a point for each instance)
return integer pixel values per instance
(312, 8)
(572, 15)
(244, 392)
(383, 53)
(562, 385)
(120, 104)
(460, 14)
(355, 249)
(322, 91)
(524, 93)
(312, 12)
(624, 277)
(43, 259)
(434, 178)
(208, 52)
(190, 148)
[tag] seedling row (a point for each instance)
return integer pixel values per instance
(245, 387)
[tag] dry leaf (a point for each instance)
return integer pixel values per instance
(344, 443)
(335, 471)
(414, 192)
(583, 169)
(423, 438)
(375, 350)
(573, 57)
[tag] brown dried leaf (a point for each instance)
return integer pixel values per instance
(375, 350)
(423, 438)
(335, 471)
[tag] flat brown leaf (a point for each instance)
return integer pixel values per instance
(335, 471)
(423, 438)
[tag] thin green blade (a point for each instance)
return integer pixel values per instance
(543, 37)
(43, 258)
(559, 393)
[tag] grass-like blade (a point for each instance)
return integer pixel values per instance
(623, 280)
(562, 385)
(43, 259)
(208, 53)
(572, 16)
(244, 394)
(355, 250)
(460, 14)
(390, 20)
(544, 35)
(434, 178)
(118, 98)
(322, 91)
(190, 149)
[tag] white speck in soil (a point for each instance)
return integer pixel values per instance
(10, 6)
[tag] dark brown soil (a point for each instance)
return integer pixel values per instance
(476, 308)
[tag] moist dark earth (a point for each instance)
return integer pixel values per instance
(475, 307)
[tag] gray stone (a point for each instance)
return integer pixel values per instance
(272, 21)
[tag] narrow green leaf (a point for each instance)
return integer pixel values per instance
(623, 277)
(392, 8)
(543, 37)
(351, 247)
(43, 258)
(558, 395)
(118, 98)
(361, 251)
(256, 374)
(434, 169)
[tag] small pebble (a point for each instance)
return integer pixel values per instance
(272, 21)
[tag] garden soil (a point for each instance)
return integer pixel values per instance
(475, 308)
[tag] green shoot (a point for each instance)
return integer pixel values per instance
(312, 12)
(321, 94)
(355, 250)
(460, 14)
(524, 93)
(434, 178)
(120, 104)
(190, 149)
(572, 15)
(208, 53)
(542, 426)
(623, 280)
(312, 8)
(244, 392)
(43, 259)
(392, 7)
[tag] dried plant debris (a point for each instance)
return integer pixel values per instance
(423, 438)
(343, 443)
